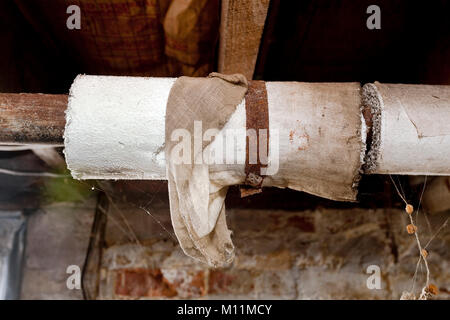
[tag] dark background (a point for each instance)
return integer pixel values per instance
(329, 41)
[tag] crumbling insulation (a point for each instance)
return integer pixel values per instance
(371, 102)
(411, 129)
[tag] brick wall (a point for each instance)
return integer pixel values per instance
(310, 254)
(316, 253)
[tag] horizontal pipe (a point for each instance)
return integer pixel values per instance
(40, 119)
(27, 118)
(116, 130)
(410, 129)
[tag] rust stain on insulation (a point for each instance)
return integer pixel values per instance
(304, 142)
(299, 138)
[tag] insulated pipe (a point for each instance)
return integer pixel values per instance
(32, 118)
(397, 146)
(115, 130)
(116, 127)
(411, 129)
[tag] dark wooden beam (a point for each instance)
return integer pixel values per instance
(241, 29)
(32, 118)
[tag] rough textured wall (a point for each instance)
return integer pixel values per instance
(281, 254)
(57, 236)
(320, 254)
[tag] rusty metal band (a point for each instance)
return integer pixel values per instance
(257, 114)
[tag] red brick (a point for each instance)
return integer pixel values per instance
(198, 282)
(231, 282)
(142, 283)
(219, 281)
(188, 283)
(305, 224)
(276, 260)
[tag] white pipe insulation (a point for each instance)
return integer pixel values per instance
(411, 129)
(115, 127)
(115, 130)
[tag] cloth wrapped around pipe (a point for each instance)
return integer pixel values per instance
(195, 133)
(118, 128)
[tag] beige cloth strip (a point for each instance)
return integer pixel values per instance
(316, 145)
(197, 208)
